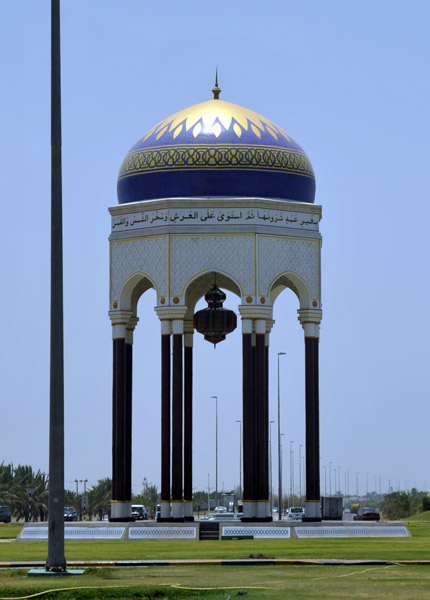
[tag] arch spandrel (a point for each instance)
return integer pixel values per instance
(136, 285)
(233, 255)
(295, 283)
(144, 256)
(298, 260)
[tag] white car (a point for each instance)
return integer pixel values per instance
(296, 513)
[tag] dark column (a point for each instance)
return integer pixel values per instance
(119, 490)
(188, 427)
(165, 427)
(177, 408)
(262, 424)
(248, 422)
(312, 428)
(128, 369)
(261, 419)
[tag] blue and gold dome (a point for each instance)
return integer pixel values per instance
(216, 148)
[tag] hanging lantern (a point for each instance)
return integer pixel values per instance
(215, 322)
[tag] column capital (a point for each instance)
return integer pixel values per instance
(269, 325)
(310, 320)
(255, 312)
(120, 317)
(129, 329)
(122, 320)
(171, 313)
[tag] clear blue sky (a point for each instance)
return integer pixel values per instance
(350, 83)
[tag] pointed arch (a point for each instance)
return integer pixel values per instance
(197, 287)
(136, 285)
(293, 281)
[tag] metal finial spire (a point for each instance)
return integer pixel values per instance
(215, 90)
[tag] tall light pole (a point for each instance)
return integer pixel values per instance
(329, 478)
(325, 480)
(300, 472)
(291, 471)
(270, 465)
(240, 455)
(216, 448)
(279, 444)
(347, 488)
(56, 560)
(282, 434)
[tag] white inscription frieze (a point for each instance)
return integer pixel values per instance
(214, 216)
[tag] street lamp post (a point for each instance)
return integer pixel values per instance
(329, 478)
(240, 456)
(300, 472)
(270, 465)
(279, 444)
(291, 471)
(216, 448)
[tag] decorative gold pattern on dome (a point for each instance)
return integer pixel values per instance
(213, 114)
(225, 157)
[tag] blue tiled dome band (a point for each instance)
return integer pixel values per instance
(229, 182)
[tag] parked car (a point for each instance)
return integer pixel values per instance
(5, 514)
(139, 512)
(296, 513)
(70, 513)
(367, 514)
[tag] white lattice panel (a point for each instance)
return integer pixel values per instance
(257, 532)
(358, 531)
(75, 533)
(162, 533)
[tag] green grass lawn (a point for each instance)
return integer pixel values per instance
(423, 516)
(416, 547)
(9, 530)
(274, 583)
(410, 582)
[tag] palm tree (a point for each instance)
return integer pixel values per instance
(25, 477)
(99, 497)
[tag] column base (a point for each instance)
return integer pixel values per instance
(120, 510)
(313, 510)
(262, 509)
(188, 510)
(164, 510)
(122, 520)
(188, 519)
(178, 510)
(311, 519)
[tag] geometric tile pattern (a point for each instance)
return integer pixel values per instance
(148, 256)
(75, 533)
(257, 532)
(233, 255)
(162, 533)
(357, 531)
(278, 255)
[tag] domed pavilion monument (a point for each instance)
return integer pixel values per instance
(214, 196)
